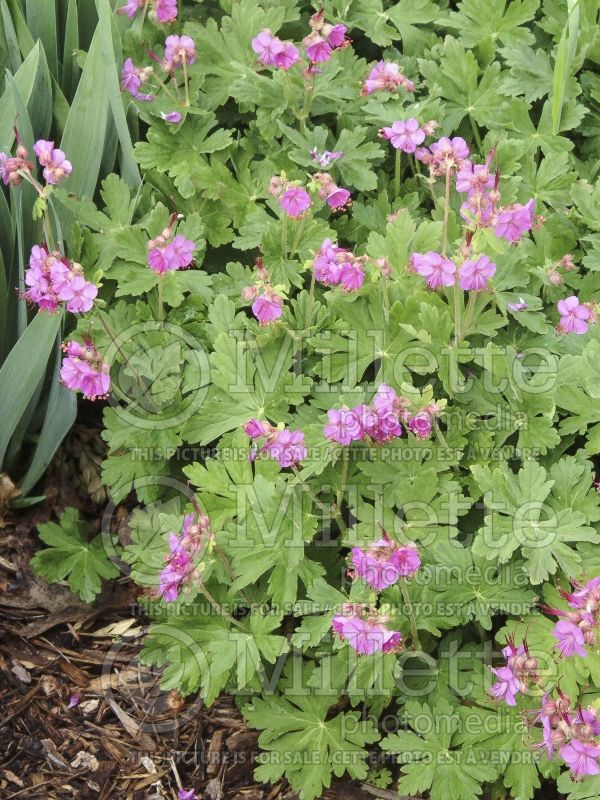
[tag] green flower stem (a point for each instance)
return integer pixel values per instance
(446, 212)
(311, 301)
(186, 81)
(385, 298)
(166, 89)
(416, 644)
(284, 227)
(476, 133)
(457, 312)
(298, 236)
(219, 610)
(468, 316)
(161, 303)
(343, 477)
(397, 170)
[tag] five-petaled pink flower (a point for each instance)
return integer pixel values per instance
(514, 221)
(132, 78)
(581, 757)
(575, 317)
(570, 639)
(287, 447)
(344, 426)
(55, 163)
(272, 52)
(386, 76)
(405, 135)
(475, 274)
(436, 269)
(267, 307)
(365, 636)
(165, 10)
(384, 562)
(295, 201)
(83, 369)
(421, 425)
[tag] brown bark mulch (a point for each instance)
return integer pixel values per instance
(123, 738)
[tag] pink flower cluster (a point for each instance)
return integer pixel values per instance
(273, 52)
(84, 370)
(473, 274)
(13, 166)
(336, 266)
(180, 51)
(167, 252)
(180, 563)
(337, 198)
(573, 731)
(267, 303)
(54, 162)
(381, 421)
(286, 446)
(481, 207)
(132, 79)
(386, 77)
(323, 39)
(513, 678)
(161, 10)
(575, 317)
(384, 562)
(52, 279)
(365, 630)
(578, 628)
(444, 156)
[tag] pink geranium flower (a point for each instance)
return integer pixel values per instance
(79, 294)
(338, 198)
(475, 274)
(574, 316)
(352, 275)
(132, 79)
(179, 49)
(295, 201)
(165, 10)
(421, 425)
(507, 686)
(386, 76)
(272, 52)
(405, 135)
(131, 8)
(366, 636)
(436, 269)
(581, 757)
(287, 447)
(570, 639)
(54, 161)
(267, 307)
(514, 221)
(384, 562)
(83, 369)
(344, 426)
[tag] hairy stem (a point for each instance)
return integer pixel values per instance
(397, 170)
(446, 212)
